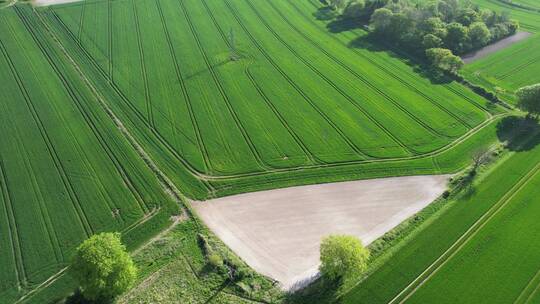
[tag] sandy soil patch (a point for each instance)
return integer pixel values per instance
(51, 2)
(278, 232)
(492, 48)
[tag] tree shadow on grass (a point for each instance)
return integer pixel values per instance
(516, 132)
(325, 13)
(321, 292)
(376, 44)
(77, 298)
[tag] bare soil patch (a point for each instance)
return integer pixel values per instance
(278, 232)
(51, 2)
(492, 48)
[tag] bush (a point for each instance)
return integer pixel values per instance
(215, 261)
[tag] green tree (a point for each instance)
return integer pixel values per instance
(342, 256)
(103, 268)
(431, 41)
(457, 37)
(529, 99)
(444, 59)
(381, 20)
(479, 34)
(354, 9)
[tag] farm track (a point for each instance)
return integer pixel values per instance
(95, 130)
(15, 238)
(529, 291)
(264, 97)
(336, 87)
(363, 79)
(296, 87)
(168, 186)
(223, 94)
(187, 98)
(431, 270)
(383, 68)
(83, 218)
(125, 100)
(83, 9)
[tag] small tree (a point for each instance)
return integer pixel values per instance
(342, 256)
(479, 34)
(529, 99)
(103, 267)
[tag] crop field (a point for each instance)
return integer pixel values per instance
(279, 107)
(480, 249)
(106, 102)
(515, 66)
(65, 170)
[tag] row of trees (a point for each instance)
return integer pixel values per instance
(454, 25)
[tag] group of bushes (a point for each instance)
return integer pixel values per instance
(435, 30)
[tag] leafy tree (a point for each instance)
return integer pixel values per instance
(434, 26)
(468, 16)
(444, 59)
(479, 34)
(338, 5)
(529, 99)
(103, 268)
(354, 9)
(381, 20)
(457, 37)
(342, 256)
(431, 41)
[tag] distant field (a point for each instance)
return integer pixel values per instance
(515, 66)
(501, 245)
(65, 170)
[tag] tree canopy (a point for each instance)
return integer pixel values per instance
(444, 59)
(342, 256)
(529, 99)
(103, 268)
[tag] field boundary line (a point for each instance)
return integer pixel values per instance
(463, 240)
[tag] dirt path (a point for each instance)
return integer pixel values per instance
(497, 46)
(278, 232)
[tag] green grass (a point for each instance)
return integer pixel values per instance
(498, 263)
(66, 171)
(433, 238)
(515, 66)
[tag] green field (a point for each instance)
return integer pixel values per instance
(66, 171)
(512, 67)
(240, 129)
(104, 102)
(479, 230)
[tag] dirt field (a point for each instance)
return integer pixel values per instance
(278, 232)
(51, 2)
(492, 48)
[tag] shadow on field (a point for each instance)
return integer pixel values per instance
(374, 44)
(516, 131)
(77, 298)
(325, 13)
(320, 292)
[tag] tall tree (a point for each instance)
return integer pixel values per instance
(342, 256)
(529, 99)
(103, 267)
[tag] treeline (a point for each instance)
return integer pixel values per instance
(435, 29)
